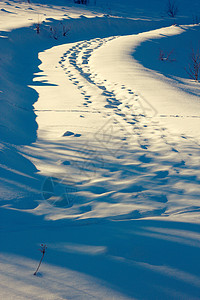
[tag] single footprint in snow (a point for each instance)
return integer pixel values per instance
(145, 159)
(70, 133)
(66, 163)
(162, 174)
(173, 149)
(143, 146)
(181, 164)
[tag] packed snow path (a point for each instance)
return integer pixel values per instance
(106, 141)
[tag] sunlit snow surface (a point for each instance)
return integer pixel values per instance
(99, 152)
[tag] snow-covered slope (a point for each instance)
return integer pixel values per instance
(99, 151)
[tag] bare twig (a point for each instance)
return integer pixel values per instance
(55, 32)
(196, 19)
(37, 26)
(43, 250)
(166, 57)
(65, 29)
(193, 69)
(81, 1)
(172, 8)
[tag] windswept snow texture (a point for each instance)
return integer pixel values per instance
(99, 150)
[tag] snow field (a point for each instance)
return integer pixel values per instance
(97, 160)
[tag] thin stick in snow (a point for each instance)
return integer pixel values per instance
(43, 250)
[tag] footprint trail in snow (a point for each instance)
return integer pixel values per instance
(129, 166)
